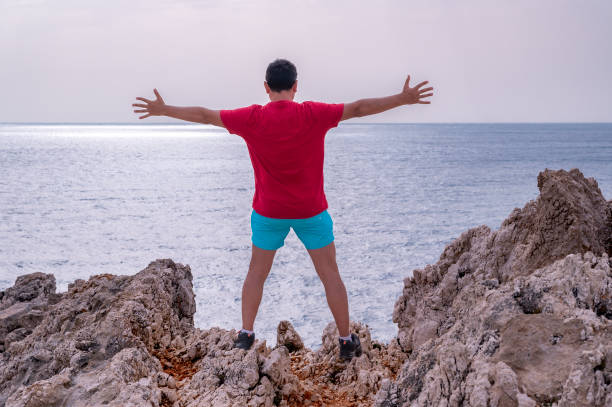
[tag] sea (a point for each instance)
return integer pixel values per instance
(84, 199)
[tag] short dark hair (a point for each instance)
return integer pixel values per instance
(281, 75)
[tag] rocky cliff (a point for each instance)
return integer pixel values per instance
(520, 316)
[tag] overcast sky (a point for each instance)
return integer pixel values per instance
(500, 61)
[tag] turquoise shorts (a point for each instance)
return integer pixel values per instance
(270, 233)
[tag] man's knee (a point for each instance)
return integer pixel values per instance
(326, 263)
(259, 271)
(328, 272)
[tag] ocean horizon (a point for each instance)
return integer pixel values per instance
(179, 123)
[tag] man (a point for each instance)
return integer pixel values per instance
(285, 140)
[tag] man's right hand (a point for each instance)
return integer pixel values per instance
(153, 107)
(415, 95)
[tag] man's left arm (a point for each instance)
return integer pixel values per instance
(408, 96)
(194, 114)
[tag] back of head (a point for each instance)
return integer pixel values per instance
(281, 75)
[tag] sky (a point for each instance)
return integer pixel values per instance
(488, 60)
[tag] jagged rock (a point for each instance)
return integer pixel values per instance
(27, 288)
(22, 306)
(287, 336)
(266, 377)
(130, 341)
(226, 376)
(92, 345)
(516, 316)
(347, 383)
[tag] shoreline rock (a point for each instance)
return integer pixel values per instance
(496, 320)
(520, 316)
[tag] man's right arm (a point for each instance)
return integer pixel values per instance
(194, 114)
(408, 96)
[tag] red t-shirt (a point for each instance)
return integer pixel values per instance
(286, 145)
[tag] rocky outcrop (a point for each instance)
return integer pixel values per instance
(94, 344)
(520, 316)
(516, 316)
(130, 341)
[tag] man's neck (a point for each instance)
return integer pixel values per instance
(276, 96)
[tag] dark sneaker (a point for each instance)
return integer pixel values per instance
(245, 340)
(348, 349)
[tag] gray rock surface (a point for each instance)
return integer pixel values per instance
(93, 344)
(516, 316)
(520, 316)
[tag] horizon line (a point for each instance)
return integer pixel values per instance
(352, 123)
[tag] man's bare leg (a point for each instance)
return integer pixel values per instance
(324, 260)
(252, 289)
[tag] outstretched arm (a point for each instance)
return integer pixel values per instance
(408, 96)
(194, 114)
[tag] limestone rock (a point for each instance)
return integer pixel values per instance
(130, 341)
(22, 306)
(517, 316)
(92, 345)
(27, 288)
(287, 336)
